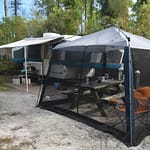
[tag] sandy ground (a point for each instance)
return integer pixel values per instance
(26, 127)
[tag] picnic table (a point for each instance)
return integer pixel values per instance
(96, 89)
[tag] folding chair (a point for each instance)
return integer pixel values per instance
(142, 104)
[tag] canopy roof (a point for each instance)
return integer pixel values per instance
(31, 41)
(107, 39)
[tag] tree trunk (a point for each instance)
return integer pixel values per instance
(15, 7)
(6, 7)
(85, 14)
(58, 3)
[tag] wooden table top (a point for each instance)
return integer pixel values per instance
(99, 85)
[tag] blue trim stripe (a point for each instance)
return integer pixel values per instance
(28, 59)
(89, 65)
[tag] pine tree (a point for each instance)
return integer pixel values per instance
(15, 5)
(6, 7)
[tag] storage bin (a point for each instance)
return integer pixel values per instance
(16, 81)
(57, 85)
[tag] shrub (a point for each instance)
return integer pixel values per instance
(7, 67)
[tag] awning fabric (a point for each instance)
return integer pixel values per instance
(30, 41)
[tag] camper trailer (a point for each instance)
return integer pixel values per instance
(67, 65)
(36, 57)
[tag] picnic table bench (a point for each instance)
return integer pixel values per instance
(114, 98)
(72, 96)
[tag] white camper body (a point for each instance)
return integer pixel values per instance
(62, 72)
(41, 67)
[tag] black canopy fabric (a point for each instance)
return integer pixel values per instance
(110, 39)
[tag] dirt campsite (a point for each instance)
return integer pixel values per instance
(23, 126)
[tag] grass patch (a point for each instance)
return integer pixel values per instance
(6, 140)
(5, 79)
(4, 87)
(14, 113)
(25, 143)
(6, 144)
(11, 114)
(16, 128)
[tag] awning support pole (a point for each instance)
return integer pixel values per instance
(26, 71)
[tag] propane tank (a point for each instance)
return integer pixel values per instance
(137, 78)
(120, 72)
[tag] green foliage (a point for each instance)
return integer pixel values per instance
(61, 16)
(35, 27)
(142, 19)
(19, 28)
(61, 22)
(92, 20)
(6, 35)
(138, 4)
(7, 66)
(69, 17)
(77, 17)
(115, 12)
(12, 29)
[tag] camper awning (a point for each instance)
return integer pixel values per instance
(31, 41)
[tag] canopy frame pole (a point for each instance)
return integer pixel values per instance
(44, 82)
(129, 97)
(80, 77)
(26, 71)
(104, 63)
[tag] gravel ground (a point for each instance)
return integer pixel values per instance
(26, 127)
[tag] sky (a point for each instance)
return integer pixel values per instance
(26, 6)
